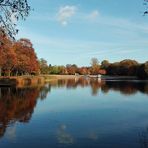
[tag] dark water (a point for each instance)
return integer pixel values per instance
(75, 114)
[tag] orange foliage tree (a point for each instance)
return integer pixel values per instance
(17, 57)
(7, 55)
(27, 62)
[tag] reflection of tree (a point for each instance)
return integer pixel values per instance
(143, 87)
(11, 132)
(125, 87)
(44, 91)
(105, 89)
(71, 83)
(17, 104)
(96, 85)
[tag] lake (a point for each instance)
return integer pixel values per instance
(75, 113)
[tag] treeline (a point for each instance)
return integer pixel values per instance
(126, 68)
(17, 57)
(123, 68)
(71, 69)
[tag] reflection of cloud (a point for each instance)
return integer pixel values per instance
(93, 136)
(11, 133)
(63, 136)
(65, 13)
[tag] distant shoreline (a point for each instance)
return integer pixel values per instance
(35, 80)
(70, 76)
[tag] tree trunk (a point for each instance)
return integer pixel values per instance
(0, 71)
(16, 73)
(9, 72)
(0, 93)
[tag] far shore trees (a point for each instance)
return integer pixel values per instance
(95, 67)
(123, 68)
(143, 70)
(105, 64)
(44, 69)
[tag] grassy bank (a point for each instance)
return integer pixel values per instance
(21, 80)
(56, 77)
(32, 80)
(41, 79)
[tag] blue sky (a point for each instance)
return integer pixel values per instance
(74, 31)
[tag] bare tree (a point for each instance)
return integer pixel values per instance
(146, 7)
(10, 12)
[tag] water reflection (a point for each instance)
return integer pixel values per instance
(124, 87)
(63, 136)
(17, 105)
(143, 138)
(93, 136)
(11, 132)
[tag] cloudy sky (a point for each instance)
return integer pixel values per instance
(74, 31)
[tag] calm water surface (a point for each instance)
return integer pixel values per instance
(78, 113)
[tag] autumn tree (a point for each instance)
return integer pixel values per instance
(7, 55)
(17, 57)
(27, 61)
(83, 70)
(128, 67)
(71, 69)
(125, 67)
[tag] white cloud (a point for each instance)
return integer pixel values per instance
(65, 13)
(93, 15)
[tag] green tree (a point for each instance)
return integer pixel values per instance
(55, 70)
(105, 64)
(44, 69)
